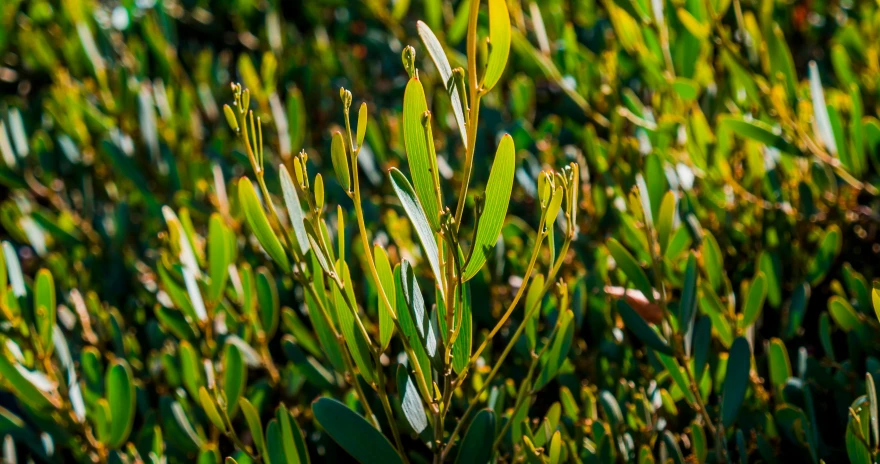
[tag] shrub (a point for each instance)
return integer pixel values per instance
(604, 247)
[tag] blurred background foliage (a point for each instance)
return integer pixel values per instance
(758, 116)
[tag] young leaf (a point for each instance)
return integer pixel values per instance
(498, 191)
(499, 43)
(252, 417)
(631, 268)
(259, 224)
(210, 408)
(675, 371)
(422, 166)
(353, 433)
(779, 364)
(758, 131)
(362, 124)
(843, 313)
(461, 349)
(340, 161)
(736, 381)
(358, 345)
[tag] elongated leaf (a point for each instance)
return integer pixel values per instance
(779, 364)
(288, 440)
(439, 57)
(252, 417)
(353, 433)
(219, 257)
(499, 42)
(121, 396)
(259, 224)
(411, 402)
(736, 381)
(416, 214)
(758, 131)
(498, 190)
(17, 378)
(210, 408)
(294, 210)
(386, 281)
(820, 110)
(358, 345)
(407, 301)
(843, 313)
(44, 308)
(234, 377)
(754, 301)
(363, 117)
(480, 433)
(641, 329)
(675, 371)
(339, 158)
(627, 263)
(713, 262)
(461, 349)
(555, 356)
(268, 303)
(688, 305)
(419, 151)
(665, 220)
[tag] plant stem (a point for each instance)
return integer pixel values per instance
(474, 109)
(550, 279)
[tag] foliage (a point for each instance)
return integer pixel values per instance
(579, 231)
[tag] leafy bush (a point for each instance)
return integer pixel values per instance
(559, 232)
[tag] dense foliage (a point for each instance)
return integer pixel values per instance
(555, 231)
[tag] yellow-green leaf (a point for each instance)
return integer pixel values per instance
(499, 42)
(419, 150)
(498, 191)
(259, 224)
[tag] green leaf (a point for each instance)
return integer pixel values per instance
(461, 349)
(442, 63)
(875, 298)
(713, 261)
(871, 392)
(363, 117)
(210, 408)
(219, 257)
(16, 378)
(294, 210)
(234, 377)
(686, 88)
(417, 216)
(340, 161)
(824, 259)
(288, 441)
(268, 303)
(420, 151)
(641, 329)
(754, 301)
(410, 401)
(499, 43)
(259, 224)
(475, 447)
(358, 345)
(779, 364)
(781, 63)
(353, 433)
(409, 300)
(252, 417)
(191, 367)
(665, 220)
(555, 356)
(843, 313)
(856, 439)
(736, 380)
(498, 191)
(675, 371)
(44, 309)
(756, 130)
(627, 263)
(688, 304)
(121, 397)
(386, 282)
